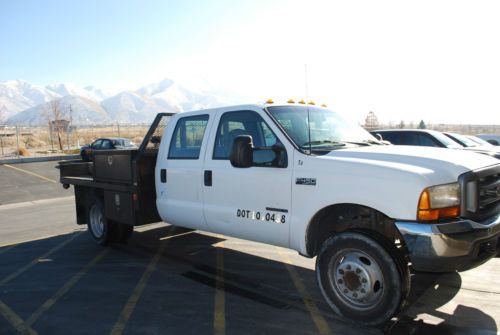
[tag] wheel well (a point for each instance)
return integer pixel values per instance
(85, 197)
(342, 217)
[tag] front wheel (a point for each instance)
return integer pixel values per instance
(360, 279)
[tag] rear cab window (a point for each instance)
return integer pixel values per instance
(188, 137)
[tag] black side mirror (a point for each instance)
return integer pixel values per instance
(494, 142)
(241, 155)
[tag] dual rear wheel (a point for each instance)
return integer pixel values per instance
(103, 230)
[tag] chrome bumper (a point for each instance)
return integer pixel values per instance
(452, 246)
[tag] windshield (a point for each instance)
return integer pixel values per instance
(463, 140)
(480, 141)
(328, 130)
(448, 142)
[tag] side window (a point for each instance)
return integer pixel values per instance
(234, 124)
(188, 137)
(96, 144)
(106, 144)
(427, 140)
(411, 138)
(392, 137)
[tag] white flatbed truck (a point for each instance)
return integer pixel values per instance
(301, 177)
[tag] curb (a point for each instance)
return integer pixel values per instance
(37, 159)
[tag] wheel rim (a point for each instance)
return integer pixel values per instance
(356, 279)
(96, 221)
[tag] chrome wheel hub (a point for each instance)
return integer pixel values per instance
(96, 221)
(356, 279)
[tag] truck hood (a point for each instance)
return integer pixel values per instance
(450, 162)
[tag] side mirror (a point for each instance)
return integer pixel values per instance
(494, 142)
(241, 155)
(379, 137)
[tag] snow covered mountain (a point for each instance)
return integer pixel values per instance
(83, 111)
(18, 95)
(26, 102)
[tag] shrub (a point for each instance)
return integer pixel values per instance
(23, 152)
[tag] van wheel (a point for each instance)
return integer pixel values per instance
(101, 229)
(360, 279)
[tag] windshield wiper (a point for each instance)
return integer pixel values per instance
(324, 142)
(364, 143)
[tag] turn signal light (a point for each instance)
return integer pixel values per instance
(426, 213)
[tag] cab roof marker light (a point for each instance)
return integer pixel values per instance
(291, 101)
(311, 103)
(324, 105)
(302, 102)
(269, 101)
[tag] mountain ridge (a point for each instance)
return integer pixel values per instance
(24, 103)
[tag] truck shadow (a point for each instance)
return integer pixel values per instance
(262, 293)
(431, 291)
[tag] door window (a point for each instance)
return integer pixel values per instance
(234, 124)
(96, 144)
(188, 137)
(106, 144)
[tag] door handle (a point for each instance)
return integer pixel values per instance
(207, 177)
(163, 175)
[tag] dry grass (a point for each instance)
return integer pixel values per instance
(37, 140)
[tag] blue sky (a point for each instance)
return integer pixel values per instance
(96, 42)
(404, 60)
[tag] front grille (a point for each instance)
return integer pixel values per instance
(489, 192)
(480, 193)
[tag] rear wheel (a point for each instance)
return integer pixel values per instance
(102, 230)
(360, 278)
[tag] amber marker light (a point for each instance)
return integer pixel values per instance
(439, 202)
(291, 101)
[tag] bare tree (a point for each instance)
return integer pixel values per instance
(54, 115)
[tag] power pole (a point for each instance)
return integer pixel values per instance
(70, 125)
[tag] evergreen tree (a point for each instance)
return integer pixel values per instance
(421, 125)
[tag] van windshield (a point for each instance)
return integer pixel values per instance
(328, 130)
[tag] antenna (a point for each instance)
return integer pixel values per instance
(307, 108)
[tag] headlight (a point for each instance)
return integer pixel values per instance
(438, 202)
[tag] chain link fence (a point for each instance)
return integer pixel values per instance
(24, 141)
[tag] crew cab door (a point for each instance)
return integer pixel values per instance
(179, 171)
(252, 203)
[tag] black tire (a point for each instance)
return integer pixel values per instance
(125, 232)
(102, 230)
(362, 279)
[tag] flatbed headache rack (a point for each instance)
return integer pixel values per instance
(124, 180)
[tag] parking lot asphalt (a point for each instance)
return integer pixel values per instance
(169, 280)
(29, 181)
